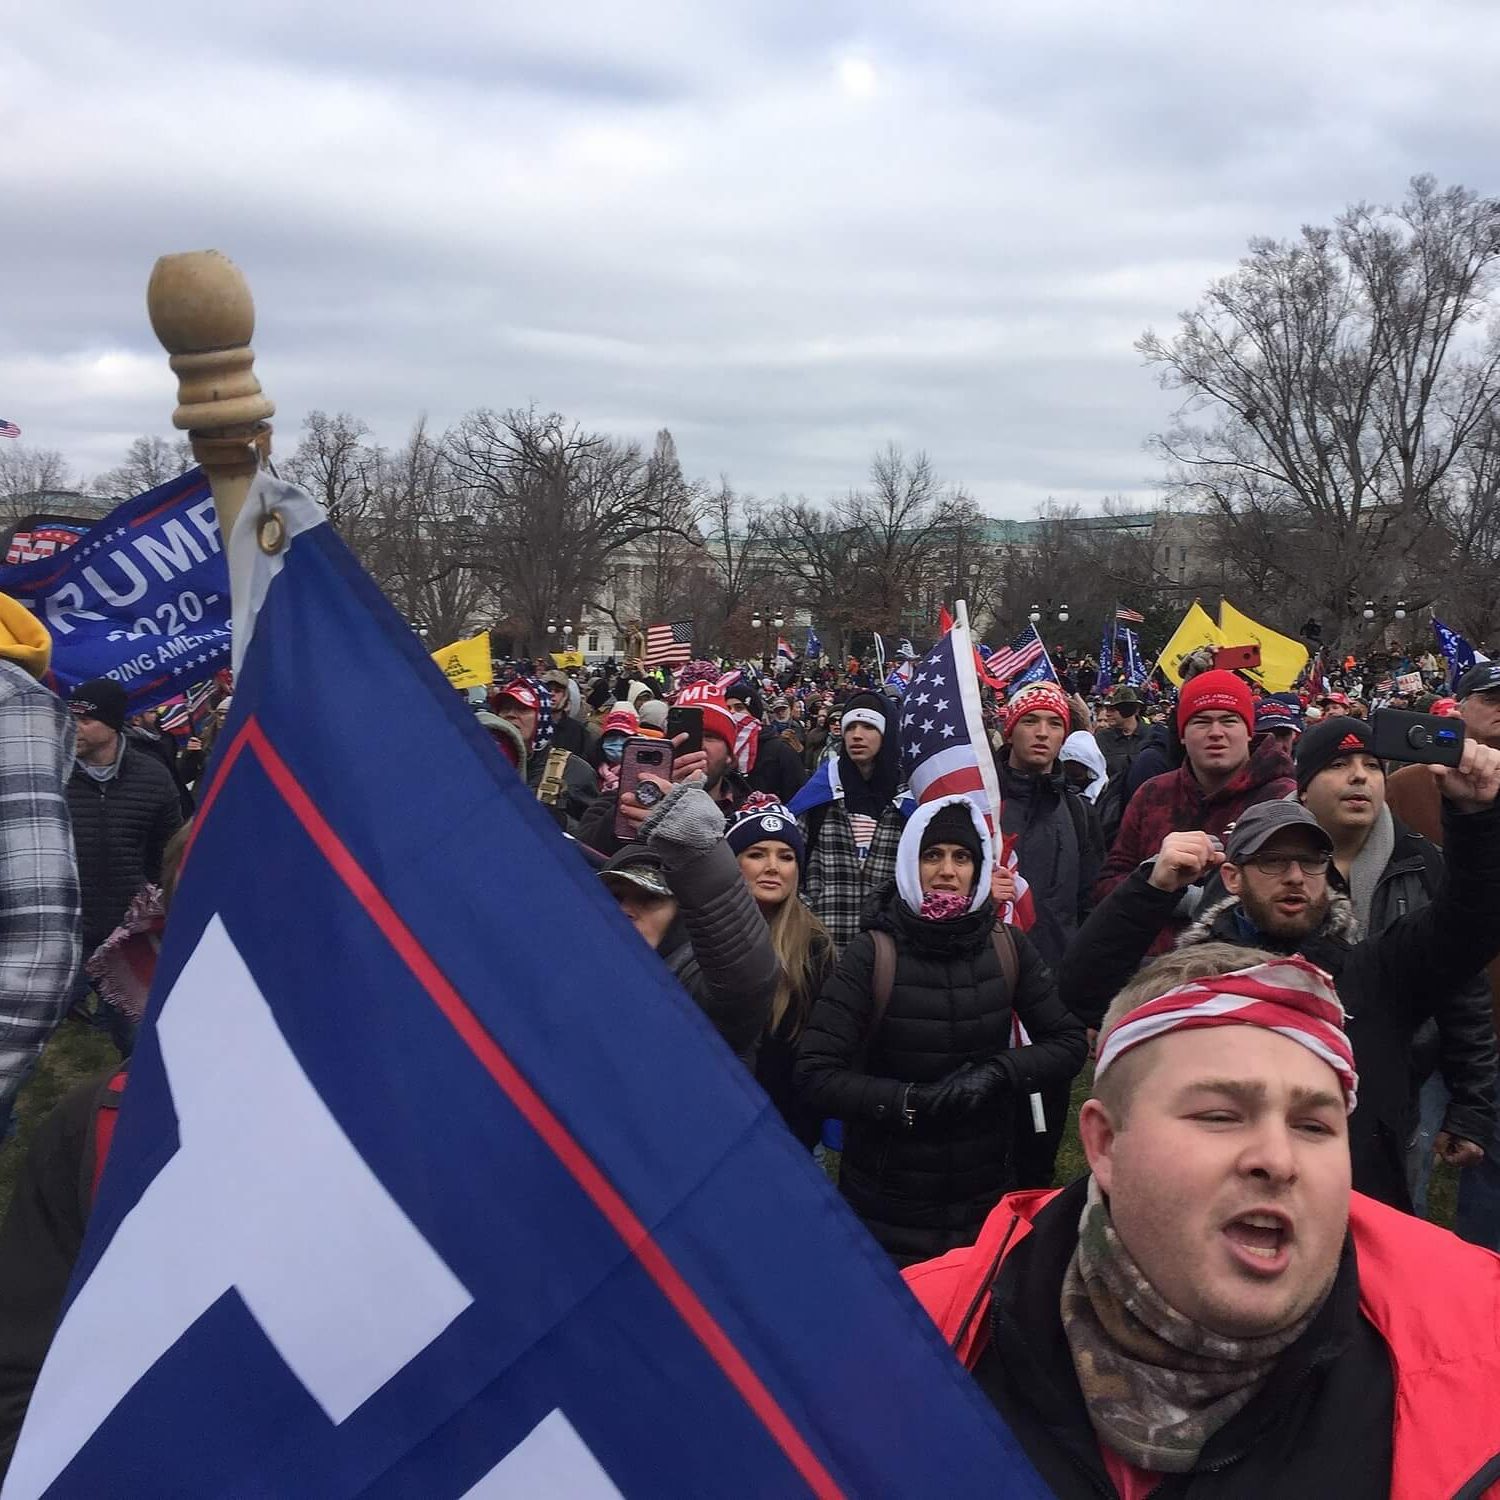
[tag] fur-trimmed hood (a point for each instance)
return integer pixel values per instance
(1340, 926)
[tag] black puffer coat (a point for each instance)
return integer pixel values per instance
(120, 828)
(925, 1189)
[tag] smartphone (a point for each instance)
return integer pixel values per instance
(652, 756)
(1429, 739)
(688, 721)
(1237, 658)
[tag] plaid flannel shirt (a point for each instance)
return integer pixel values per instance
(39, 910)
(839, 884)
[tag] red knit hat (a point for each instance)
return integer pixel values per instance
(717, 720)
(1215, 692)
(1036, 697)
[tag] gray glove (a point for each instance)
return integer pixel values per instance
(687, 822)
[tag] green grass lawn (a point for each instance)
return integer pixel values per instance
(75, 1052)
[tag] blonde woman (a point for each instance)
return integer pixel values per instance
(769, 846)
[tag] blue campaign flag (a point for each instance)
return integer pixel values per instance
(1135, 668)
(1106, 656)
(142, 598)
(814, 645)
(1457, 652)
(407, 1199)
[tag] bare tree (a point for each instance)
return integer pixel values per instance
(412, 539)
(815, 560)
(549, 503)
(27, 473)
(149, 461)
(1342, 378)
(336, 466)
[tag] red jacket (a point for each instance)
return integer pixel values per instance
(1175, 803)
(1432, 1298)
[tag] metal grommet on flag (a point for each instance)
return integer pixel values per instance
(271, 533)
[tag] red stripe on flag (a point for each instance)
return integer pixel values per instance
(601, 1192)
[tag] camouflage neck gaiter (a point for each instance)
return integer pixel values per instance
(1157, 1385)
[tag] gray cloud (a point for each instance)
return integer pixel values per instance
(789, 233)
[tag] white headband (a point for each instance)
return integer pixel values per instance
(866, 716)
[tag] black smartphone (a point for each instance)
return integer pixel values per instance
(652, 756)
(1429, 739)
(688, 721)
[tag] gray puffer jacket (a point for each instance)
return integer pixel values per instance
(719, 947)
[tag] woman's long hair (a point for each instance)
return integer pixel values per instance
(795, 933)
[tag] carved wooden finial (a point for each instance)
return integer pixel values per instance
(204, 316)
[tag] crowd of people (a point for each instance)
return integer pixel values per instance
(1240, 918)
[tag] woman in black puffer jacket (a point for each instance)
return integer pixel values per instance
(927, 1089)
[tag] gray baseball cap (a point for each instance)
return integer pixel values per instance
(1264, 821)
(1481, 678)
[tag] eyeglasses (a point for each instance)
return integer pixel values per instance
(1279, 864)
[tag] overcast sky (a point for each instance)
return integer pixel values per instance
(788, 231)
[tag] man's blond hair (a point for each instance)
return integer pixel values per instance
(1180, 966)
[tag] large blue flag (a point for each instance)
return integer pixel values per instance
(1106, 673)
(1457, 651)
(142, 598)
(430, 1181)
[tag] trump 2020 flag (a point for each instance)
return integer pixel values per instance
(406, 1200)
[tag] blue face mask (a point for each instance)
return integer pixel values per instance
(612, 747)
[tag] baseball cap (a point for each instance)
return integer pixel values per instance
(1481, 678)
(639, 868)
(1264, 821)
(556, 678)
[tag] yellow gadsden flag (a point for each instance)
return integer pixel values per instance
(1282, 659)
(467, 663)
(566, 659)
(1196, 631)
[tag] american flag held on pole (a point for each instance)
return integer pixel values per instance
(669, 644)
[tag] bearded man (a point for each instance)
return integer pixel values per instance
(1275, 867)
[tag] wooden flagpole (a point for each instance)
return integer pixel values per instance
(202, 311)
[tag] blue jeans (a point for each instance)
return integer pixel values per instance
(1478, 1187)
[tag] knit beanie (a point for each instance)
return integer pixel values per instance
(867, 709)
(709, 696)
(762, 820)
(1326, 741)
(23, 638)
(1215, 692)
(954, 824)
(1035, 697)
(100, 698)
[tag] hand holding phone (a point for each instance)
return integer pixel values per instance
(1426, 739)
(643, 763)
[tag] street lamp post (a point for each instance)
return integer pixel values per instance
(771, 620)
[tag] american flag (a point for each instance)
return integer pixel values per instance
(1010, 661)
(1129, 616)
(944, 746)
(668, 645)
(9, 429)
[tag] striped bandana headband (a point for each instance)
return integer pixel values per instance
(1291, 997)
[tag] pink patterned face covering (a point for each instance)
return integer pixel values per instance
(943, 906)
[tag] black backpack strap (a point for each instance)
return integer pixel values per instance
(1010, 960)
(883, 982)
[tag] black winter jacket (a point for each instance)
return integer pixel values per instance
(1059, 849)
(1389, 982)
(1321, 1424)
(1160, 752)
(120, 828)
(923, 1189)
(778, 768)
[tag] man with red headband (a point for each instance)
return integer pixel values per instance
(1211, 1311)
(1217, 781)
